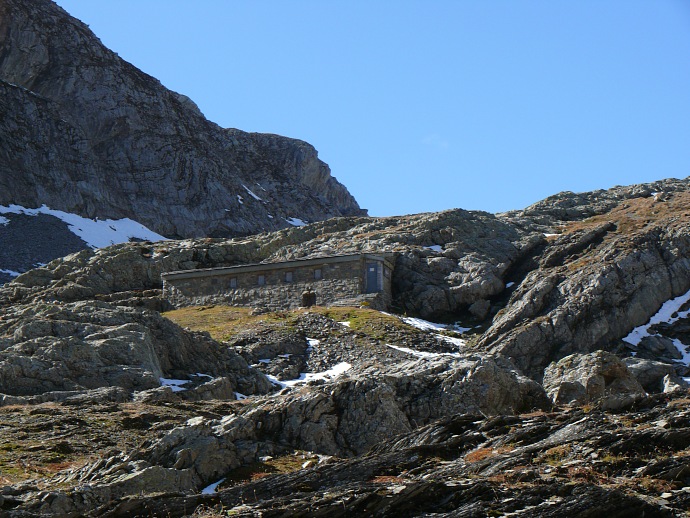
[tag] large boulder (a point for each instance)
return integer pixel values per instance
(599, 377)
(654, 376)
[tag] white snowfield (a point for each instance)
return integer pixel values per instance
(665, 314)
(95, 233)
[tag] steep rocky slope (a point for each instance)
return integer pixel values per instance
(562, 391)
(87, 133)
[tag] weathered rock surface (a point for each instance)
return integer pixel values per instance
(591, 299)
(564, 463)
(49, 347)
(86, 132)
(599, 377)
(654, 376)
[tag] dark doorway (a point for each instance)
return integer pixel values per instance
(373, 285)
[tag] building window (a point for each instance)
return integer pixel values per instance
(288, 276)
(318, 275)
(261, 280)
(233, 282)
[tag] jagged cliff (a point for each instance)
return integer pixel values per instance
(85, 132)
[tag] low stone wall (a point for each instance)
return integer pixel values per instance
(278, 286)
(274, 298)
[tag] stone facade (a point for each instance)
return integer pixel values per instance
(276, 286)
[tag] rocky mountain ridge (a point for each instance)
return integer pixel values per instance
(85, 132)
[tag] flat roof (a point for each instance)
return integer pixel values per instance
(256, 267)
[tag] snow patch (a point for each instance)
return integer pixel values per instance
(209, 490)
(510, 285)
(95, 233)
(11, 273)
(425, 325)
(665, 314)
(305, 377)
(684, 350)
(452, 340)
(4, 221)
(435, 248)
(295, 222)
(311, 342)
(251, 193)
(239, 396)
(239, 198)
(346, 324)
(422, 354)
(175, 385)
(550, 235)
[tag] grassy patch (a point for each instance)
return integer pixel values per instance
(556, 456)
(486, 453)
(639, 213)
(373, 323)
(260, 469)
(224, 322)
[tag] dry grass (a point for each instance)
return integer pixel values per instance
(388, 479)
(639, 214)
(258, 470)
(485, 453)
(224, 322)
(555, 456)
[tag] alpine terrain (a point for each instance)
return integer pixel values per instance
(534, 363)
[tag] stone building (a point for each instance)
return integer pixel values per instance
(334, 280)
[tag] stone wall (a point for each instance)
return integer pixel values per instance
(282, 288)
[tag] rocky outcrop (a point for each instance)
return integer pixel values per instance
(344, 418)
(446, 262)
(86, 132)
(562, 463)
(596, 294)
(49, 347)
(655, 376)
(600, 378)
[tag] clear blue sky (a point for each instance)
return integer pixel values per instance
(429, 105)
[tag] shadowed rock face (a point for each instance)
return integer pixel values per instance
(86, 132)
